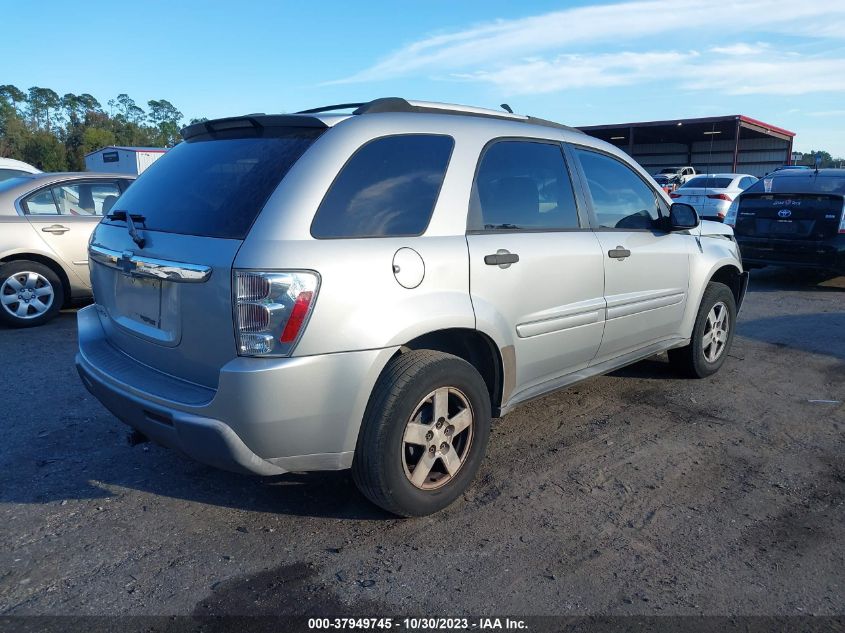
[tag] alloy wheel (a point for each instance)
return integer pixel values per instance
(437, 438)
(716, 330)
(26, 295)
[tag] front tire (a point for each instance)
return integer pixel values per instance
(712, 334)
(424, 433)
(30, 293)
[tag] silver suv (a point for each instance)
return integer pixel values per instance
(320, 291)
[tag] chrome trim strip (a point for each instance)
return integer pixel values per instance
(138, 266)
(526, 330)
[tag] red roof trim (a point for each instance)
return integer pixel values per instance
(709, 119)
(773, 128)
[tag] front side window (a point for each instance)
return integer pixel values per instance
(523, 185)
(86, 198)
(41, 203)
(621, 199)
(387, 189)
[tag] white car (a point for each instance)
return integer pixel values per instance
(9, 168)
(711, 195)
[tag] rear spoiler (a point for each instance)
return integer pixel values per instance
(253, 124)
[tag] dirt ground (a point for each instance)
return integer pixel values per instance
(632, 493)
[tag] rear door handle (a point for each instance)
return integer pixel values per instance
(618, 253)
(501, 258)
(56, 229)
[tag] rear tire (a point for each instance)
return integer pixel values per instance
(712, 334)
(424, 433)
(30, 293)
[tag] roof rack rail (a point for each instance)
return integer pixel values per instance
(330, 108)
(398, 104)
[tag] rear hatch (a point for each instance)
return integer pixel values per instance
(798, 216)
(163, 282)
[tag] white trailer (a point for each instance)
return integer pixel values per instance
(123, 160)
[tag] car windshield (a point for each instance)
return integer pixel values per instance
(800, 183)
(670, 170)
(11, 183)
(709, 182)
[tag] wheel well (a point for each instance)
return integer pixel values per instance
(476, 348)
(729, 275)
(46, 261)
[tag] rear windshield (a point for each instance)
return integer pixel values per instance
(799, 183)
(214, 188)
(709, 182)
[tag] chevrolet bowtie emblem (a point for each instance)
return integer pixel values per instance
(125, 263)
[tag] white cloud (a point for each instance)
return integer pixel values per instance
(538, 76)
(741, 49)
(792, 76)
(492, 47)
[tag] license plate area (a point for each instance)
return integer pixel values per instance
(784, 227)
(148, 308)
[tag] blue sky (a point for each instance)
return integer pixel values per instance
(579, 63)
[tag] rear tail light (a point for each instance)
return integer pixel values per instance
(719, 196)
(272, 309)
(675, 195)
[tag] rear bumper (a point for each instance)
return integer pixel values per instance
(828, 254)
(267, 416)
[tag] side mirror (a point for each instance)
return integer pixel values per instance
(682, 217)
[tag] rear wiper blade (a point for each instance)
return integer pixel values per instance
(130, 219)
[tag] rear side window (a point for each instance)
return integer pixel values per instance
(214, 188)
(41, 203)
(388, 188)
(523, 185)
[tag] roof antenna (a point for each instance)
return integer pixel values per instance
(506, 108)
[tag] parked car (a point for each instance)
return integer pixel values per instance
(320, 291)
(793, 218)
(9, 168)
(681, 174)
(667, 183)
(712, 195)
(47, 220)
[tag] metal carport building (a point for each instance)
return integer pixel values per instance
(734, 143)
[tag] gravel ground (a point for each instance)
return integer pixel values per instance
(632, 493)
